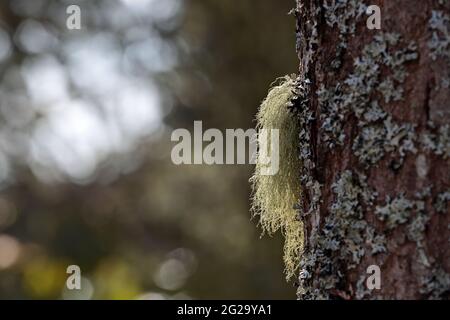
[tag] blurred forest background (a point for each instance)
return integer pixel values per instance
(85, 170)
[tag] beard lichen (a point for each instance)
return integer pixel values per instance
(275, 196)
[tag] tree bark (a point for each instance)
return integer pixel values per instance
(375, 108)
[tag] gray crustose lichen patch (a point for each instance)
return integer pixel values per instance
(441, 201)
(343, 15)
(436, 284)
(439, 43)
(396, 211)
(437, 142)
(342, 241)
(379, 133)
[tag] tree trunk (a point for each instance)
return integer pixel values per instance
(375, 108)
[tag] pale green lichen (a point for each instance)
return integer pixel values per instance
(275, 196)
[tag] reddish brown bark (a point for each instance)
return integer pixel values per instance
(416, 263)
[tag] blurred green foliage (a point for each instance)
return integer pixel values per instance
(137, 225)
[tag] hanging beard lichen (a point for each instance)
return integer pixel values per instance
(275, 196)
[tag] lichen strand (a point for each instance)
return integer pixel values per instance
(275, 196)
(341, 240)
(379, 133)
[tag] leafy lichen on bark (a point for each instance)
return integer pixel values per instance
(441, 201)
(379, 132)
(345, 236)
(437, 140)
(436, 284)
